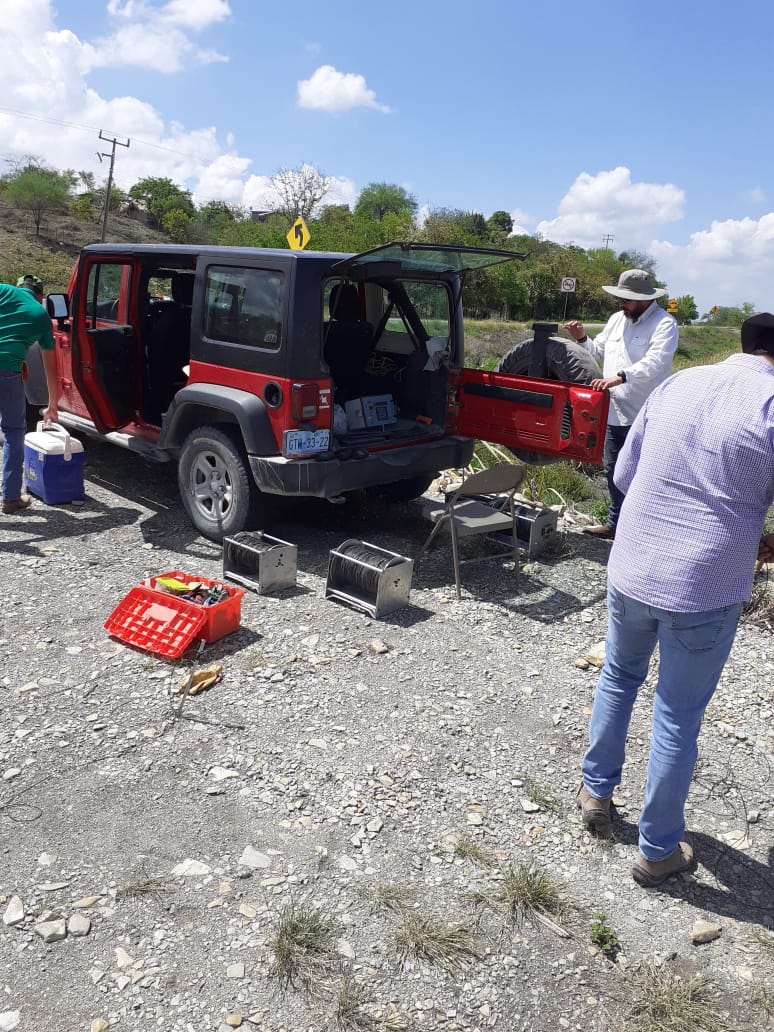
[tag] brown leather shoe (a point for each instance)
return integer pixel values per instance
(604, 533)
(12, 505)
(649, 873)
(595, 812)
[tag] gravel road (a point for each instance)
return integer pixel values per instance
(388, 778)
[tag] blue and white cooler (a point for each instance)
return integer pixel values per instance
(53, 464)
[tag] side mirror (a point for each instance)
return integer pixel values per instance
(58, 306)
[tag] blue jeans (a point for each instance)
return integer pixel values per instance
(13, 423)
(614, 441)
(693, 649)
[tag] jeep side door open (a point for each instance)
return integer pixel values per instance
(271, 372)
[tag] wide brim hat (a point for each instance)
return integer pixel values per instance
(635, 285)
(757, 333)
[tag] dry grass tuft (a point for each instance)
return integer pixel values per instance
(759, 610)
(144, 885)
(543, 799)
(763, 999)
(664, 1002)
(427, 939)
(764, 939)
(524, 892)
(468, 849)
(392, 897)
(302, 945)
(348, 1015)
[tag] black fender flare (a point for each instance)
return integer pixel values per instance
(207, 404)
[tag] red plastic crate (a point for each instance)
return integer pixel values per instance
(166, 627)
(220, 619)
(166, 624)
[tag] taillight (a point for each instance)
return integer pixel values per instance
(305, 401)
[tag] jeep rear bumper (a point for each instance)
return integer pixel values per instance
(328, 477)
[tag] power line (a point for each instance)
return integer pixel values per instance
(95, 129)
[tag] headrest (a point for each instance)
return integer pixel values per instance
(344, 303)
(182, 286)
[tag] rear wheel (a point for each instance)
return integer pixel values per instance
(567, 361)
(403, 490)
(216, 484)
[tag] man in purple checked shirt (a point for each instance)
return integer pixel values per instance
(697, 471)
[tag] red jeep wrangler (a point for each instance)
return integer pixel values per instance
(272, 372)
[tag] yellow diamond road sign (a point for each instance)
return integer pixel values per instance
(298, 236)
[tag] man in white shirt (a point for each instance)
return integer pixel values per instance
(635, 350)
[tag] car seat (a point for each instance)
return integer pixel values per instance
(169, 347)
(348, 341)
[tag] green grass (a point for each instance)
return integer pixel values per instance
(604, 937)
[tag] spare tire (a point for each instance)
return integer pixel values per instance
(567, 361)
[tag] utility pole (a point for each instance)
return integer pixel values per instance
(112, 140)
(607, 240)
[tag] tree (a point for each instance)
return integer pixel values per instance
(637, 260)
(499, 224)
(160, 196)
(211, 220)
(176, 222)
(299, 190)
(454, 226)
(729, 316)
(379, 199)
(686, 310)
(38, 190)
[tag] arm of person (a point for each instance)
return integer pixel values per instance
(656, 364)
(51, 413)
(578, 333)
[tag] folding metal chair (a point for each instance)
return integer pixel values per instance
(466, 512)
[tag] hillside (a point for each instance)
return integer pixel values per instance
(51, 255)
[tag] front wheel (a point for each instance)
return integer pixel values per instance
(216, 484)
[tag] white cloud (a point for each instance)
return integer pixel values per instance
(334, 91)
(158, 37)
(756, 195)
(49, 111)
(610, 203)
(521, 220)
(727, 264)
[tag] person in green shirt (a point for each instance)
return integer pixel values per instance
(23, 320)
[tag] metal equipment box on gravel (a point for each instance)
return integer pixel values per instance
(259, 562)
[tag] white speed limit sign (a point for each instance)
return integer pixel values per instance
(568, 285)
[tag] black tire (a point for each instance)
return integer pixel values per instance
(403, 490)
(216, 485)
(568, 362)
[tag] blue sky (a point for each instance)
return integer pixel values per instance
(647, 123)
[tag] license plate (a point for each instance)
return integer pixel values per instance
(305, 442)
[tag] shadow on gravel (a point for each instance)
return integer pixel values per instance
(743, 889)
(43, 523)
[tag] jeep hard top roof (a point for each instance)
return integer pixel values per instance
(393, 259)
